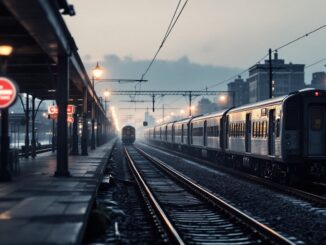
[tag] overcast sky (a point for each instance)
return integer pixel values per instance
(227, 33)
(220, 32)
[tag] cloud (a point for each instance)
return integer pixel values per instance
(180, 74)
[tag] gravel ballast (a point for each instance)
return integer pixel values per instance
(298, 220)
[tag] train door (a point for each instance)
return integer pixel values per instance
(160, 133)
(317, 130)
(205, 133)
(271, 132)
(227, 132)
(190, 134)
(248, 133)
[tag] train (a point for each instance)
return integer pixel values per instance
(128, 135)
(281, 138)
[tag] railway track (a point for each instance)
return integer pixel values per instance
(319, 200)
(186, 213)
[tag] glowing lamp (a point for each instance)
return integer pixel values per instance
(106, 93)
(316, 93)
(97, 71)
(6, 50)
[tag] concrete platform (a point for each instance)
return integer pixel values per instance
(37, 208)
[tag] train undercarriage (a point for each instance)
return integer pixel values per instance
(293, 174)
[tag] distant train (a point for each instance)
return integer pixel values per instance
(128, 135)
(280, 138)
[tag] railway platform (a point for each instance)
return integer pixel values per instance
(38, 208)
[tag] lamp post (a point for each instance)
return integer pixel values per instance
(106, 95)
(5, 52)
(97, 73)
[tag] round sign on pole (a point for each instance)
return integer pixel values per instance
(8, 92)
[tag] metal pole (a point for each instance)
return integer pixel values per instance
(190, 101)
(33, 142)
(62, 129)
(27, 127)
(4, 172)
(153, 101)
(105, 120)
(74, 149)
(93, 117)
(270, 74)
(84, 138)
(53, 134)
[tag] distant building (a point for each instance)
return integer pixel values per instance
(287, 78)
(318, 80)
(240, 92)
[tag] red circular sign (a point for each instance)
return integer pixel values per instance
(8, 92)
(70, 120)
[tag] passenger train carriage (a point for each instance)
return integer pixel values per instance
(279, 137)
(128, 135)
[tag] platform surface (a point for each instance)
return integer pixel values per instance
(38, 208)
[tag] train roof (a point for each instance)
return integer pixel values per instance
(210, 115)
(276, 100)
(268, 102)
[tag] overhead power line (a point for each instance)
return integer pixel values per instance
(315, 63)
(277, 49)
(173, 21)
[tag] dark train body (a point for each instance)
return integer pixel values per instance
(128, 135)
(280, 138)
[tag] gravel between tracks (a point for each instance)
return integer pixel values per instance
(296, 219)
(125, 207)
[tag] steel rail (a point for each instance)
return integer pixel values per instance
(259, 180)
(172, 233)
(262, 229)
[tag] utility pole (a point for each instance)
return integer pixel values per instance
(270, 74)
(153, 101)
(190, 101)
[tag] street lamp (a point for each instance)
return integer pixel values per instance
(97, 71)
(96, 74)
(106, 95)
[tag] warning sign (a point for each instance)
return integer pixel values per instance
(8, 92)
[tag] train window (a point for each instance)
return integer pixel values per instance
(239, 129)
(240, 132)
(278, 127)
(254, 129)
(316, 118)
(260, 129)
(264, 129)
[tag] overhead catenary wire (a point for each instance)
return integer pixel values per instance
(274, 50)
(167, 34)
(315, 63)
(265, 56)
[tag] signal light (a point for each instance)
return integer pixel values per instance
(316, 93)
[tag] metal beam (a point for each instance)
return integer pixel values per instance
(167, 92)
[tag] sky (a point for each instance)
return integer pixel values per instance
(212, 40)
